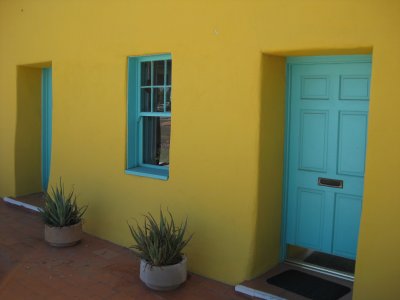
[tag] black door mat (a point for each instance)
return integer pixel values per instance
(308, 285)
(331, 262)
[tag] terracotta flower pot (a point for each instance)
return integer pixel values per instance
(163, 278)
(63, 236)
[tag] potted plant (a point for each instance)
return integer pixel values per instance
(62, 217)
(163, 265)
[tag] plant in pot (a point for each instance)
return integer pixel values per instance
(163, 265)
(62, 217)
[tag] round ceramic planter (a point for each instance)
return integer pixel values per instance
(63, 236)
(163, 278)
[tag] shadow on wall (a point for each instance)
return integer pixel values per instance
(271, 161)
(28, 131)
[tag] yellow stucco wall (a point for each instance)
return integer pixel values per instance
(28, 131)
(266, 243)
(217, 49)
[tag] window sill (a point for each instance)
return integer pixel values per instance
(148, 172)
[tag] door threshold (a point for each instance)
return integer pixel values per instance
(322, 270)
(257, 294)
(260, 288)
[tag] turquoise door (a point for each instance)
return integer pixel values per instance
(46, 125)
(327, 120)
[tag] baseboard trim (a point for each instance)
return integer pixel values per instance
(256, 293)
(19, 203)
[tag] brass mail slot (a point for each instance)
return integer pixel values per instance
(334, 183)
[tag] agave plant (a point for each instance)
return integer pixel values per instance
(160, 244)
(60, 209)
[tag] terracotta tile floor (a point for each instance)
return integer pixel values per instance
(35, 199)
(94, 269)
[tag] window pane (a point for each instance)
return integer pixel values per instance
(156, 138)
(169, 66)
(146, 73)
(168, 99)
(145, 99)
(158, 99)
(165, 127)
(158, 73)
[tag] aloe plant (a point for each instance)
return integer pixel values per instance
(60, 208)
(160, 243)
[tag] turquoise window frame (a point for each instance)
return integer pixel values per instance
(134, 161)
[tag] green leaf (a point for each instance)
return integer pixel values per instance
(159, 243)
(60, 209)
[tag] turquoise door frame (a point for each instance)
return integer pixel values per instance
(327, 103)
(46, 125)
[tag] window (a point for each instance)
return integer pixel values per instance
(149, 115)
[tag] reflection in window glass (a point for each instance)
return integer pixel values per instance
(158, 73)
(146, 73)
(168, 100)
(158, 100)
(145, 105)
(169, 65)
(156, 139)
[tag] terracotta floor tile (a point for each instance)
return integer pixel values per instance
(106, 253)
(15, 291)
(139, 291)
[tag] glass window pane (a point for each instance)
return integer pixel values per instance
(169, 66)
(165, 128)
(158, 99)
(146, 73)
(158, 73)
(145, 100)
(168, 99)
(156, 139)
